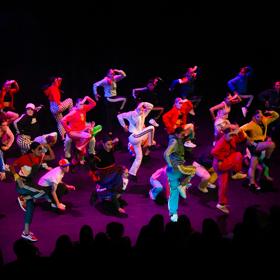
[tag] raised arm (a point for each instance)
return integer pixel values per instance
(51, 155)
(91, 103)
(215, 108)
(120, 75)
(10, 140)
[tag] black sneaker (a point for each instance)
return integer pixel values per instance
(122, 202)
(254, 188)
(132, 178)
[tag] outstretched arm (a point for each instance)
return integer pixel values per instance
(136, 91)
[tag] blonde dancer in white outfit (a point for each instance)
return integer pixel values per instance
(139, 133)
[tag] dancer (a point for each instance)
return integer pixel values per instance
(238, 85)
(256, 131)
(27, 127)
(53, 185)
(78, 130)
(160, 185)
(141, 136)
(110, 177)
(28, 166)
(53, 92)
(222, 110)
(227, 159)
(270, 98)
(186, 86)
(149, 94)
(6, 135)
(9, 89)
(178, 173)
(109, 83)
(177, 117)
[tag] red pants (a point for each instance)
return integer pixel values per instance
(223, 168)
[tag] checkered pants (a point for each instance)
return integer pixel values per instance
(57, 111)
(23, 141)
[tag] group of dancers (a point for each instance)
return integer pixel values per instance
(169, 182)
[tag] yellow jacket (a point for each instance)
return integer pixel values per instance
(254, 132)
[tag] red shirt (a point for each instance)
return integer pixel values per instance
(76, 119)
(28, 160)
(53, 94)
(171, 118)
(25, 163)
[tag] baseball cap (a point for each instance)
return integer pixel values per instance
(64, 162)
(30, 105)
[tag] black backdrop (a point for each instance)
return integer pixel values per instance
(81, 40)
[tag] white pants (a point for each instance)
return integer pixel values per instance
(136, 139)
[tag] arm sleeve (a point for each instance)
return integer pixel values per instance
(98, 84)
(121, 117)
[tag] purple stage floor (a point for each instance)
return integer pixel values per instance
(48, 225)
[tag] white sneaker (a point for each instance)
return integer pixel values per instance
(211, 186)
(244, 111)
(174, 218)
(182, 191)
(189, 144)
(125, 183)
(223, 208)
(153, 122)
(151, 195)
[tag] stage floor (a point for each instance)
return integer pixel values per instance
(48, 224)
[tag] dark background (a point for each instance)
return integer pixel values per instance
(80, 41)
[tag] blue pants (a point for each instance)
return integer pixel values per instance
(34, 193)
(174, 177)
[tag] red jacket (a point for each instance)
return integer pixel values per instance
(223, 149)
(170, 118)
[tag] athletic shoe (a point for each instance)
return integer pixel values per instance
(238, 175)
(30, 236)
(174, 218)
(182, 191)
(22, 202)
(153, 122)
(244, 111)
(151, 195)
(189, 144)
(204, 190)
(223, 208)
(211, 186)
